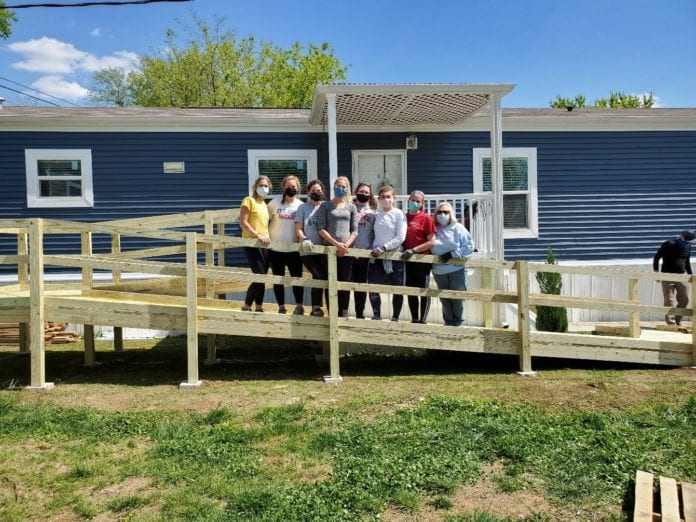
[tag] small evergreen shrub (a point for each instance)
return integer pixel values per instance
(551, 318)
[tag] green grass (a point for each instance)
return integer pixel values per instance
(400, 439)
(211, 467)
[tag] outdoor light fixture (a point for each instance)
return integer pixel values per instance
(411, 142)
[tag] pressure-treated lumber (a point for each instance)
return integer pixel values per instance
(191, 313)
(36, 304)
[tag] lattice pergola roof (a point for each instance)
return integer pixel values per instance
(404, 104)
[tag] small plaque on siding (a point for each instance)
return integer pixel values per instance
(174, 167)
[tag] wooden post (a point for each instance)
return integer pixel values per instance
(191, 313)
(209, 229)
(88, 335)
(693, 321)
(633, 317)
(487, 282)
(334, 370)
(23, 280)
(523, 318)
(37, 307)
(116, 280)
(221, 251)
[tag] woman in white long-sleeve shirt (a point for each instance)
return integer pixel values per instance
(390, 233)
(452, 240)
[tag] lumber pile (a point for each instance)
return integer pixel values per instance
(54, 333)
(672, 502)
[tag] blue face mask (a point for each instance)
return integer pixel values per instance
(443, 219)
(413, 206)
(262, 191)
(339, 192)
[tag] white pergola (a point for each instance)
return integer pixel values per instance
(412, 107)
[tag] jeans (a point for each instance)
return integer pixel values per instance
(670, 290)
(377, 275)
(452, 309)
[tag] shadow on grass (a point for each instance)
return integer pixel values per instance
(163, 362)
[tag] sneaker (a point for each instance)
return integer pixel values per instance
(317, 312)
(282, 310)
(299, 310)
(360, 316)
(376, 318)
(395, 319)
(668, 319)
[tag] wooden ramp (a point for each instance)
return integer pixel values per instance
(672, 502)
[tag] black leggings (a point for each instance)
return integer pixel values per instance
(316, 265)
(344, 266)
(258, 263)
(418, 275)
(291, 260)
(359, 275)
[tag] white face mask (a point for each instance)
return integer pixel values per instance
(386, 204)
(443, 219)
(262, 191)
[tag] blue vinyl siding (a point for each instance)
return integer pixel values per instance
(601, 195)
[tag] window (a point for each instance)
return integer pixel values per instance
(519, 188)
(276, 164)
(59, 178)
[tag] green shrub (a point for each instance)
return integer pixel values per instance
(551, 318)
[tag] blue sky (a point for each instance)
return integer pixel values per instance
(545, 47)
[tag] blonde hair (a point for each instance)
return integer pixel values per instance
(290, 177)
(441, 205)
(347, 197)
(386, 188)
(256, 184)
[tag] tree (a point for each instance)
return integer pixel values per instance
(111, 86)
(551, 318)
(6, 16)
(215, 69)
(616, 100)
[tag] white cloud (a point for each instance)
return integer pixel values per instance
(51, 56)
(47, 55)
(58, 86)
(95, 32)
(124, 59)
(656, 99)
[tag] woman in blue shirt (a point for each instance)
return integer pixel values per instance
(452, 240)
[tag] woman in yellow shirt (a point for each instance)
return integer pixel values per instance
(253, 218)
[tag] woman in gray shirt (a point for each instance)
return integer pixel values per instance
(340, 219)
(307, 226)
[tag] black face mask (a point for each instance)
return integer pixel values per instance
(316, 197)
(362, 198)
(290, 192)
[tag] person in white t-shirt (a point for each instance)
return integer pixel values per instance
(282, 211)
(390, 233)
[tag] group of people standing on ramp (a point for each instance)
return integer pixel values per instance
(346, 221)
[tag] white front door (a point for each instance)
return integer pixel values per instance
(379, 168)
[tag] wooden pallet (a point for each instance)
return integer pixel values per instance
(675, 502)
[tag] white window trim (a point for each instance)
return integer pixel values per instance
(254, 155)
(34, 199)
(533, 213)
(356, 153)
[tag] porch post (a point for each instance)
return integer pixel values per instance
(497, 187)
(333, 149)
(497, 175)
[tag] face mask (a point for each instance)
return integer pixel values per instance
(413, 206)
(443, 219)
(362, 198)
(290, 192)
(386, 203)
(314, 196)
(339, 192)
(262, 191)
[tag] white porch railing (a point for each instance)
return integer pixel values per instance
(474, 211)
